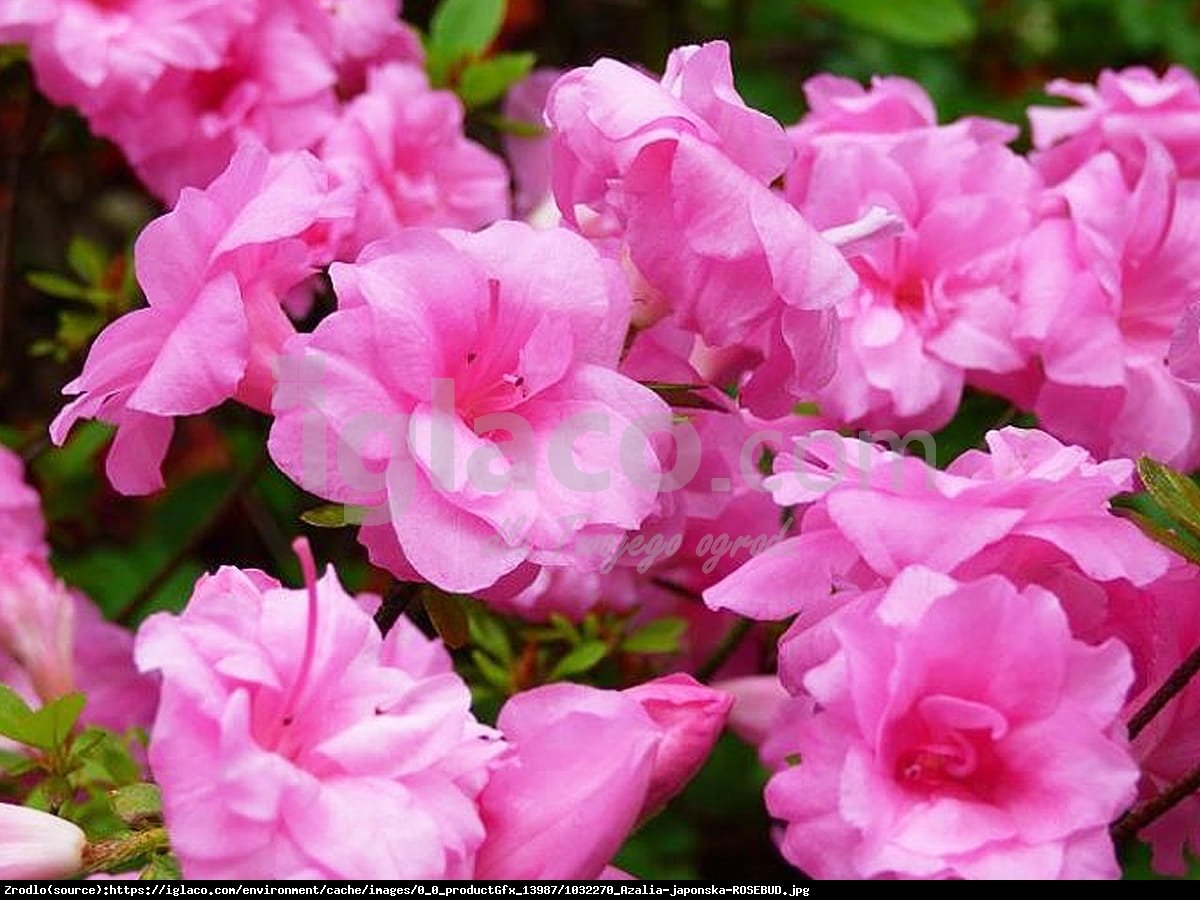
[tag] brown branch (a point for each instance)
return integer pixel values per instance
(1171, 688)
(1149, 812)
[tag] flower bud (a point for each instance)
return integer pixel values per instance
(34, 844)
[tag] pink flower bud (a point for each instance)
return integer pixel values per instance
(35, 844)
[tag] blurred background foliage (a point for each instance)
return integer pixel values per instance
(69, 211)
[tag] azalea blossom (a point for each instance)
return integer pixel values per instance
(470, 379)
(35, 844)
(927, 749)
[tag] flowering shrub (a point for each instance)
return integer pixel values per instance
(663, 456)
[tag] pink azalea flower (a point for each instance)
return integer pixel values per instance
(404, 143)
(935, 751)
(357, 34)
(89, 54)
(1117, 114)
(1167, 749)
(35, 844)
(530, 156)
(292, 741)
(679, 173)
(466, 388)
(554, 809)
(215, 271)
(1108, 275)
(938, 301)
(1031, 509)
(22, 529)
(285, 746)
(274, 86)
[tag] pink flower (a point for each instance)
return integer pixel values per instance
(21, 527)
(678, 173)
(1108, 275)
(35, 844)
(357, 34)
(465, 388)
(1032, 510)
(586, 766)
(1117, 115)
(530, 157)
(274, 86)
(214, 271)
(1168, 748)
(94, 54)
(404, 143)
(292, 741)
(938, 300)
(958, 731)
(286, 747)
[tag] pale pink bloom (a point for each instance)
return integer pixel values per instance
(214, 271)
(54, 641)
(586, 766)
(678, 173)
(466, 389)
(274, 86)
(530, 156)
(931, 748)
(1031, 509)
(35, 844)
(938, 300)
(403, 142)
(1117, 114)
(1107, 276)
(22, 529)
(92, 54)
(357, 34)
(1168, 748)
(758, 701)
(285, 746)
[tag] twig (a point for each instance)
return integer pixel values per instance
(267, 528)
(395, 603)
(725, 650)
(1171, 688)
(1134, 821)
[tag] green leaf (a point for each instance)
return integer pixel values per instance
(659, 636)
(487, 80)
(920, 23)
(64, 288)
(495, 674)
(581, 659)
(488, 633)
(465, 27)
(565, 629)
(87, 259)
(1177, 494)
(683, 396)
(47, 728)
(134, 804)
(332, 515)
(515, 127)
(163, 867)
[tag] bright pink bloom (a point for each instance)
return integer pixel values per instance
(215, 271)
(1107, 276)
(679, 173)
(92, 54)
(1169, 746)
(21, 527)
(1032, 510)
(274, 87)
(935, 750)
(938, 300)
(357, 34)
(758, 701)
(466, 388)
(530, 156)
(404, 143)
(586, 766)
(1117, 115)
(286, 747)
(35, 844)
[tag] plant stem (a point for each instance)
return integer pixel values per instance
(1171, 688)
(725, 650)
(395, 603)
(1136, 819)
(116, 853)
